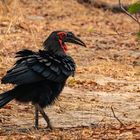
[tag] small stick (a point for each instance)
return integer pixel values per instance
(126, 12)
(121, 124)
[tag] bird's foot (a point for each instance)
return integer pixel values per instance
(49, 127)
(36, 127)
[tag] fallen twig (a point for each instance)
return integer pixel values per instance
(126, 12)
(121, 123)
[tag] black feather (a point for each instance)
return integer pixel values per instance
(39, 77)
(24, 53)
(6, 98)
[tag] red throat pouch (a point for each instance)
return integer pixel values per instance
(64, 47)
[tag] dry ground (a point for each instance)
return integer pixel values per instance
(107, 75)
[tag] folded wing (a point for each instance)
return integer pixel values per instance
(34, 67)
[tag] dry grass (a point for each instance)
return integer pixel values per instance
(110, 54)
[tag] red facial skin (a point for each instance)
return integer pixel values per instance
(61, 35)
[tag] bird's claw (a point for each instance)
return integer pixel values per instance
(49, 127)
(36, 127)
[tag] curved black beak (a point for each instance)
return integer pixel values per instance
(74, 39)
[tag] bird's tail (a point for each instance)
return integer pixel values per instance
(6, 97)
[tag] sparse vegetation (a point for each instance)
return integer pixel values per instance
(107, 71)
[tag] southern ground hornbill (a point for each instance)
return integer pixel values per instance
(41, 76)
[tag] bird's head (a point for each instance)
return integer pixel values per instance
(57, 39)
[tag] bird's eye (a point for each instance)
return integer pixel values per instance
(70, 34)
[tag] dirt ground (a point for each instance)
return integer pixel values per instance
(102, 101)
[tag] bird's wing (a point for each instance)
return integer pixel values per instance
(33, 67)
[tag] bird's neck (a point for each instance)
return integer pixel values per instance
(57, 48)
(63, 46)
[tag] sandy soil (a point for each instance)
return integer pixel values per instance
(107, 76)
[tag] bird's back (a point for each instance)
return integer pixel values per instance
(39, 77)
(33, 67)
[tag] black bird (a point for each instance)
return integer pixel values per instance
(41, 76)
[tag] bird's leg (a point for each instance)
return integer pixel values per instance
(45, 117)
(36, 116)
